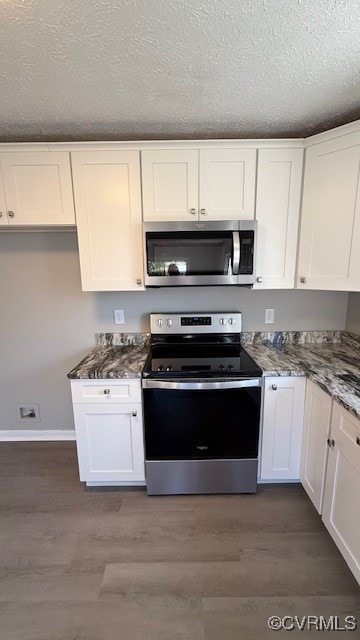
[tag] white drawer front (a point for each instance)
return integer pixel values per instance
(106, 391)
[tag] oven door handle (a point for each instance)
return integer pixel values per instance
(201, 386)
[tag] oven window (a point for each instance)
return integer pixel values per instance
(201, 424)
(189, 253)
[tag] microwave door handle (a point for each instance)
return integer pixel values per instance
(236, 253)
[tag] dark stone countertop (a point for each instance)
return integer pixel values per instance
(334, 367)
(120, 361)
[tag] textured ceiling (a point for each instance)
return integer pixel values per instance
(141, 69)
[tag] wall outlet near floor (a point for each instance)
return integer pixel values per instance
(119, 317)
(29, 413)
(269, 316)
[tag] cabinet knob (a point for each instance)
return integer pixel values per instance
(11, 214)
(330, 443)
(358, 440)
(0, 214)
(259, 279)
(193, 211)
(138, 281)
(134, 414)
(303, 280)
(203, 212)
(274, 387)
(107, 392)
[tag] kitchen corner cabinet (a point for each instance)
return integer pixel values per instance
(329, 249)
(283, 411)
(278, 194)
(314, 450)
(36, 189)
(109, 431)
(341, 507)
(107, 194)
(198, 184)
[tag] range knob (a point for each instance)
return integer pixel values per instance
(169, 322)
(232, 321)
(223, 321)
(169, 368)
(160, 322)
(161, 368)
(221, 367)
(230, 367)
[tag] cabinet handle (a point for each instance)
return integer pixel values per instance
(259, 279)
(330, 443)
(134, 414)
(358, 440)
(107, 392)
(303, 280)
(193, 211)
(0, 214)
(203, 212)
(11, 214)
(274, 387)
(138, 281)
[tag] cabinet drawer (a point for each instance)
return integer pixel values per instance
(106, 391)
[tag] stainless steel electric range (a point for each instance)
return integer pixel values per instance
(202, 399)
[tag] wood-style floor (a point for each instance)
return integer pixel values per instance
(85, 564)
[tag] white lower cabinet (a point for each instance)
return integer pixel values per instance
(341, 507)
(109, 431)
(314, 444)
(282, 427)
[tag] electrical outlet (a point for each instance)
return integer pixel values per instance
(119, 317)
(29, 413)
(269, 316)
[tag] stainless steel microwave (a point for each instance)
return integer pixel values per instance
(200, 253)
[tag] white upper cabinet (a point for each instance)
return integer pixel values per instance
(227, 183)
(170, 184)
(216, 184)
(108, 214)
(36, 189)
(278, 197)
(329, 251)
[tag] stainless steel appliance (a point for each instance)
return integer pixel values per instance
(202, 398)
(200, 253)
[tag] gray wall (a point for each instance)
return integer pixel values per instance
(353, 313)
(47, 324)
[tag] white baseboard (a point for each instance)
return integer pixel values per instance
(27, 435)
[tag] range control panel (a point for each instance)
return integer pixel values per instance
(182, 323)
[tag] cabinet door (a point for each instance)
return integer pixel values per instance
(314, 446)
(109, 442)
(329, 251)
(38, 188)
(227, 184)
(170, 184)
(282, 428)
(277, 212)
(108, 215)
(4, 220)
(341, 508)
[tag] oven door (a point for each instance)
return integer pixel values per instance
(202, 419)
